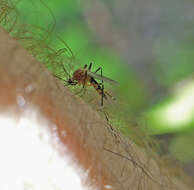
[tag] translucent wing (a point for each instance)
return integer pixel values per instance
(105, 79)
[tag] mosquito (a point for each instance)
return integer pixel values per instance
(85, 77)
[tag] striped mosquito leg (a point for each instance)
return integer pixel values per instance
(102, 88)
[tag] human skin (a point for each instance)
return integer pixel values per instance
(78, 129)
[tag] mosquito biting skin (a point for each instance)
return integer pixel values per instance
(84, 77)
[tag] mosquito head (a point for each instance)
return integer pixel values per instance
(71, 81)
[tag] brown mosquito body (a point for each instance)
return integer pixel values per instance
(81, 77)
(84, 77)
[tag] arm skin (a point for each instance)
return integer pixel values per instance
(110, 164)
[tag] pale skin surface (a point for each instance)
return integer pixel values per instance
(113, 163)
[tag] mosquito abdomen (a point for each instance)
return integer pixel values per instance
(98, 88)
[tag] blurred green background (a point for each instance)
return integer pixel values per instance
(147, 46)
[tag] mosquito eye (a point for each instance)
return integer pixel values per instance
(70, 81)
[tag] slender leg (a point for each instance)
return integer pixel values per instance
(100, 68)
(82, 92)
(102, 95)
(85, 77)
(90, 66)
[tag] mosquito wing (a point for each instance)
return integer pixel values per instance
(105, 79)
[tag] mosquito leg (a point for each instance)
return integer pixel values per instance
(90, 66)
(85, 77)
(79, 92)
(102, 95)
(100, 68)
(108, 94)
(83, 92)
(104, 92)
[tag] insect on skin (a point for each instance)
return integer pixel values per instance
(84, 77)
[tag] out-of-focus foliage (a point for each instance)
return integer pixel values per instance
(147, 46)
(68, 22)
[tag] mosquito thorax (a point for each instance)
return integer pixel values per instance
(79, 75)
